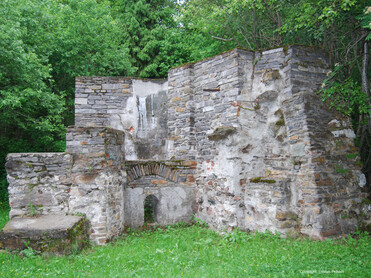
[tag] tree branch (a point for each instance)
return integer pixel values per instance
(219, 38)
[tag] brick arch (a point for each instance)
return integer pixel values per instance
(171, 171)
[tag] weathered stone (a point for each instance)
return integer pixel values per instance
(286, 215)
(60, 234)
(221, 133)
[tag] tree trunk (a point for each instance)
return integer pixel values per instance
(365, 87)
(365, 146)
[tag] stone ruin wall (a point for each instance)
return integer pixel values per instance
(87, 180)
(94, 176)
(279, 167)
(136, 106)
(239, 139)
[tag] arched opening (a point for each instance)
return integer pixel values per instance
(150, 209)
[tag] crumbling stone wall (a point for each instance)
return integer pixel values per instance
(88, 179)
(98, 178)
(40, 180)
(239, 139)
(264, 143)
(136, 106)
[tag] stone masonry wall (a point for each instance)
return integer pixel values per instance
(263, 142)
(171, 182)
(97, 99)
(39, 183)
(98, 178)
(328, 175)
(87, 179)
(239, 139)
(135, 106)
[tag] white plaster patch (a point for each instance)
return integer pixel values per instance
(347, 132)
(130, 153)
(335, 123)
(298, 149)
(143, 88)
(361, 179)
(115, 122)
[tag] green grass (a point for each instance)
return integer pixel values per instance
(4, 216)
(196, 251)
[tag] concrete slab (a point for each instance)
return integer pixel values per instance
(47, 233)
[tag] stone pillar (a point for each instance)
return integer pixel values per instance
(98, 179)
(326, 170)
(181, 118)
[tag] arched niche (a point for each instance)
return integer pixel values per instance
(150, 209)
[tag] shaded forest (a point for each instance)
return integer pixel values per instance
(45, 44)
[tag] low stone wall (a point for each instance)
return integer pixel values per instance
(39, 183)
(52, 234)
(88, 179)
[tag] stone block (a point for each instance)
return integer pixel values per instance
(57, 234)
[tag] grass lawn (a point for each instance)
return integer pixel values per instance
(196, 251)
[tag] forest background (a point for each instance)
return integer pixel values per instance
(45, 44)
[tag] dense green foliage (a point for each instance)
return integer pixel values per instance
(45, 44)
(196, 251)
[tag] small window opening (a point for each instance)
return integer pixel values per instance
(150, 209)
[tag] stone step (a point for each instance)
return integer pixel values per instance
(55, 234)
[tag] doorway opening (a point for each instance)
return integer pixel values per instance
(150, 209)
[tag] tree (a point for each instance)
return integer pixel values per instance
(251, 24)
(152, 34)
(31, 115)
(44, 45)
(87, 41)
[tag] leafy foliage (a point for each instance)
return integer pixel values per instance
(151, 33)
(31, 115)
(44, 45)
(345, 96)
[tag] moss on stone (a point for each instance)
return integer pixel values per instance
(32, 186)
(280, 122)
(260, 179)
(77, 239)
(286, 215)
(221, 133)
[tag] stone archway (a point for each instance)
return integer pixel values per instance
(160, 192)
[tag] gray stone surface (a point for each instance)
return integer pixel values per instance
(47, 233)
(57, 224)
